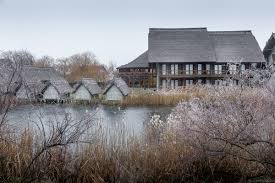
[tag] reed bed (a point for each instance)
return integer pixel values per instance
(114, 160)
(163, 98)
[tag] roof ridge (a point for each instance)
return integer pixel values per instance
(37, 67)
(177, 29)
(231, 32)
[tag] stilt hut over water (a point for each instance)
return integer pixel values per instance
(86, 89)
(43, 84)
(116, 90)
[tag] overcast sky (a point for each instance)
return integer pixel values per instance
(117, 29)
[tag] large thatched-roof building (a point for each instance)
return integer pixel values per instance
(180, 57)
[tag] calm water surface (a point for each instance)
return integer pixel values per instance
(130, 120)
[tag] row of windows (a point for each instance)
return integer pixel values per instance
(190, 68)
(174, 84)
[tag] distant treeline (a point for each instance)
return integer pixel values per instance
(73, 68)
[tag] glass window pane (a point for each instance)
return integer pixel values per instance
(176, 69)
(163, 83)
(172, 69)
(220, 69)
(172, 84)
(187, 69)
(176, 84)
(216, 69)
(163, 69)
(199, 69)
(191, 69)
(208, 69)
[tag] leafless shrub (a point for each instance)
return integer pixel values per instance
(232, 123)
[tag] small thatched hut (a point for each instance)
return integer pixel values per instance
(116, 90)
(43, 84)
(85, 90)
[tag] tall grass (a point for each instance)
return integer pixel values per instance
(149, 159)
(162, 98)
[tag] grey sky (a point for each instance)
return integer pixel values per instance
(117, 29)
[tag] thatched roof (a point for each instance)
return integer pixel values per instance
(180, 45)
(236, 46)
(90, 84)
(269, 45)
(139, 62)
(40, 77)
(198, 45)
(120, 84)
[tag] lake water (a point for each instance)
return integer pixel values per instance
(130, 121)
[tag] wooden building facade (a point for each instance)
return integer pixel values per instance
(182, 57)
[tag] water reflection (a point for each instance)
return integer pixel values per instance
(113, 121)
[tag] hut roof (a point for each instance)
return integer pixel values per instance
(139, 62)
(120, 84)
(90, 84)
(269, 45)
(37, 77)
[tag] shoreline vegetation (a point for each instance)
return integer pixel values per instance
(139, 97)
(213, 135)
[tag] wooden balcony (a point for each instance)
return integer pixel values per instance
(196, 74)
(137, 73)
(181, 74)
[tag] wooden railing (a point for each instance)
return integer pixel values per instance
(136, 73)
(181, 73)
(196, 73)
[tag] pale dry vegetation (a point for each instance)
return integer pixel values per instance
(163, 98)
(225, 136)
(214, 134)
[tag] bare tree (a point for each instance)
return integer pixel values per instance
(62, 134)
(18, 57)
(45, 61)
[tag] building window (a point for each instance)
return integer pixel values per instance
(172, 69)
(199, 69)
(218, 82)
(189, 69)
(163, 83)
(188, 82)
(172, 84)
(242, 68)
(176, 69)
(233, 69)
(176, 84)
(208, 68)
(218, 69)
(199, 81)
(163, 69)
